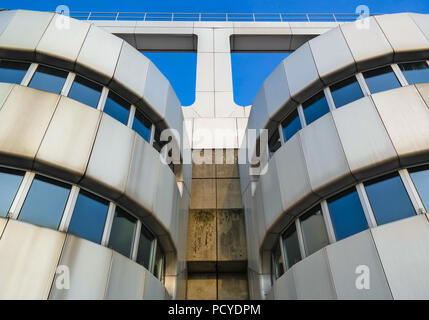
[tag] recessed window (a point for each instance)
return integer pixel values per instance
(415, 72)
(145, 249)
(48, 79)
(158, 271)
(142, 125)
(89, 217)
(45, 203)
(389, 199)
(347, 214)
(277, 262)
(85, 91)
(291, 246)
(291, 125)
(274, 142)
(10, 181)
(420, 177)
(381, 79)
(12, 71)
(123, 232)
(117, 107)
(315, 107)
(346, 91)
(313, 230)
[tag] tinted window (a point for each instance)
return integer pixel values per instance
(48, 79)
(291, 246)
(415, 72)
(123, 232)
(274, 142)
(381, 79)
(291, 125)
(315, 107)
(45, 203)
(347, 214)
(389, 199)
(12, 72)
(88, 217)
(420, 177)
(117, 107)
(277, 262)
(85, 91)
(158, 272)
(142, 125)
(145, 248)
(346, 91)
(9, 184)
(313, 230)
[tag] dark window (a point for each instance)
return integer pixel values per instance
(389, 199)
(85, 91)
(415, 72)
(274, 142)
(315, 107)
(89, 217)
(123, 232)
(420, 177)
(45, 203)
(158, 271)
(12, 71)
(346, 91)
(291, 246)
(117, 107)
(10, 181)
(277, 262)
(313, 230)
(381, 79)
(48, 79)
(291, 125)
(142, 125)
(144, 252)
(347, 214)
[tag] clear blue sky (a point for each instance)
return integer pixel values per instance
(180, 67)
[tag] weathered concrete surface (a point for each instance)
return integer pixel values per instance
(228, 194)
(202, 286)
(203, 194)
(232, 286)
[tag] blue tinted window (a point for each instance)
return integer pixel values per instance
(117, 107)
(123, 232)
(420, 177)
(48, 79)
(347, 214)
(389, 199)
(274, 142)
(45, 203)
(415, 72)
(9, 184)
(88, 217)
(315, 107)
(381, 79)
(313, 230)
(291, 246)
(12, 71)
(142, 125)
(291, 125)
(145, 248)
(85, 91)
(346, 91)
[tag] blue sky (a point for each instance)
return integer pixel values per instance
(180, 67)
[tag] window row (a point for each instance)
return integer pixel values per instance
(53, 204)
(346, 91)
(81, 89)
(388, 198)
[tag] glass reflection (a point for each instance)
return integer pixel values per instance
(144, 252)
(277, 262)
(48, 79)
(117, 107)
(291, 246)
(420, 177)
(381, 79)
(85, 91)
(415, 72)
(315, 107)
(346, 91)
(10, 181)
(313, 230)
(12, 71)
(291, 125)
(123, 232)
(142, 125)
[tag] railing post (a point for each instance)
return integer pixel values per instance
(144, 18)
(199, 17)
(281, 18)
(117, 15)
(308, 18)
(172, 16)
(254, 20)
(89, 16)
(226, 16)
(335, 19)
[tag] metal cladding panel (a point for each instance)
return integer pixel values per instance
(367, 43)
(259, 117)
(368, 148)
(3, 223)
(333, 58)
(422, 21)
(346, 256)
(153, 288)
(251, 239)
(126, 281)
(301, 73)
(99, 54)
(284, 287)
(173, 116)
(29, 257)
(423, 89)
(5, 17)
(22, 34)
(110, 159)
(68, 142)
(89, 265)
(404, 36)
(5, 89)
(20, 136)
(130, 74)
(313, 278)
(259, 216)
(62, 41)
(142, 178)
(406, 118)
(403, 247)
(327, 165)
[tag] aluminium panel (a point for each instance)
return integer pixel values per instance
(153, 288)
(5, 89)
(284, 287)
